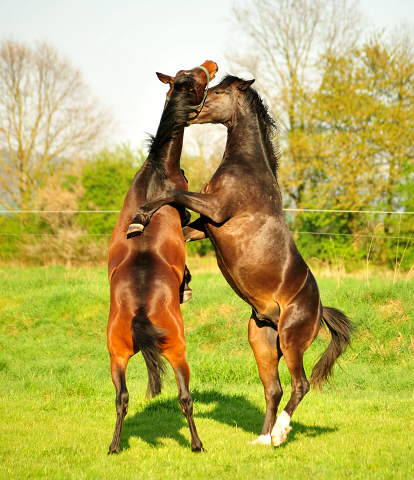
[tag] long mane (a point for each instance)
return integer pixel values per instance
(172, 121)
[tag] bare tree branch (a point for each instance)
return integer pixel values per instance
(47, 118)
(285, 41)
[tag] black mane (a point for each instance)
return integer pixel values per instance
(172, 121)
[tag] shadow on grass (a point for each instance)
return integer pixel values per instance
(310, 431)
(162, 418)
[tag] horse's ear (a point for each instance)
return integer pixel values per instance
(244, 84)
(165, 78)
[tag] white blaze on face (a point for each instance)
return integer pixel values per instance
(281, 429)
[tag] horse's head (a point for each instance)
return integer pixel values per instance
(194, 81)
(221, 101)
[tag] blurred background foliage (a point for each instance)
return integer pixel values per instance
(343, 96)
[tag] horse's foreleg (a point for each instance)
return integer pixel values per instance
(208, 205)
(118, 372)
(264, 342)
(195, 230)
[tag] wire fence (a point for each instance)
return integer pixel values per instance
(291, 210)
(285, 210)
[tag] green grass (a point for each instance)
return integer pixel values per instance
(57, 399)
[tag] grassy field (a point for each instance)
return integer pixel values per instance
(57, 401)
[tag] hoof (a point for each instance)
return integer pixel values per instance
(186, 295)
(279, 435)
(113, 450)
(198, 449)
(262, 440)
(134, 230)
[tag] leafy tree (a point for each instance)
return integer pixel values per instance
(284, 42)
(360, 142)
(106, 179)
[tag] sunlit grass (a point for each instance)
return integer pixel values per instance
(57, 398)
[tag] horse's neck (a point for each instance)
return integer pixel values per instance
(171, 154)
(166, 169)
(248, 134)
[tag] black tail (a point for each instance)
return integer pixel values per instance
(341, 329)
(150, 339)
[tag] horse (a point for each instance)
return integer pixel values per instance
(241, 212)
(145, 273)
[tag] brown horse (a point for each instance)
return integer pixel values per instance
(241, 212)
(145, 273)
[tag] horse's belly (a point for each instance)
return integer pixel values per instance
(259, 260)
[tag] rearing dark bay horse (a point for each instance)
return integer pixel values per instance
(241, 212)
(145, 273)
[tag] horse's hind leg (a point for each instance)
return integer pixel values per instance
(297, 330)
(264, 342)
(182, 375)
(118, 372)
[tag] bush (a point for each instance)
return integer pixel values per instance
(106, 180)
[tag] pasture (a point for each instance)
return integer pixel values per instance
(57, 401)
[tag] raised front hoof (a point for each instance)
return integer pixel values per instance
(134, 230)
(186, 295)
(279, 435)
(187, 218)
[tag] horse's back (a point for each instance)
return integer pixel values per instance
(149, 269)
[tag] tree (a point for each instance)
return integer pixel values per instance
(287, 39)
(364, 110)
(360, 141)
(47, 118)
(64, 233)
(106, 179)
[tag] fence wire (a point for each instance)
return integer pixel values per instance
(285, 210)
(299, 210)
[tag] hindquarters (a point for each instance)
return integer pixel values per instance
(341, 329)
(145, 317)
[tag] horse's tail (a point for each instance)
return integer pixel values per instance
(341, 329)
(150, 340)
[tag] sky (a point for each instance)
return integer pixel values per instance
(118, 45)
